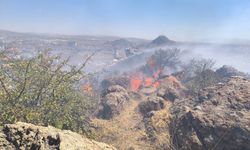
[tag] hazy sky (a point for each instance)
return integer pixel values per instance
(177, 19)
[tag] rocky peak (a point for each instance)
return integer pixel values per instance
(161, 40)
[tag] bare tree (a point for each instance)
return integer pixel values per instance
(168, 58)
(198, 74)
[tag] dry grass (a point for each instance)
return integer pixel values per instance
(161, 122)
(124, 131)
(127, 131)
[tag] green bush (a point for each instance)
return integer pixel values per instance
(42, 90)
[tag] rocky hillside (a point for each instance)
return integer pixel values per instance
(27, 136)
(169, 118)
(136, 120)
(218, 118)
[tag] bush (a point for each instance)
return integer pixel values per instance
(42, 90)
(167, 58)
(199, 74)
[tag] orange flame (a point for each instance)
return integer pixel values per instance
(156, 84)
(148, 82)
(87, 89)
(136, 82)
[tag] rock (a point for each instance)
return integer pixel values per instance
(28, 136)
(4, 143)
(113, 100)
(219, 119)
(170, 94)
(171, 89)
(152, 104)
(122, 80)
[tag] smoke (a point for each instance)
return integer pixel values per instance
(237, 56)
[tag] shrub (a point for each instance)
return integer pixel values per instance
(42, 90)
(199, 74)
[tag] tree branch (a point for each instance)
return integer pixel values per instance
(4, 87)
(25, 80)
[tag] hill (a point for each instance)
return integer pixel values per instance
(161, 40)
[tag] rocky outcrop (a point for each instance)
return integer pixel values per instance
(218, 118)
(123, 81)
(4, 143)
(28, 136)
(112, 103)
(152, 104)
(171, 89)
(169, 94)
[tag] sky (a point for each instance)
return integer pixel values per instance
(185, 20)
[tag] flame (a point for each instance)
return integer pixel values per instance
(148, 81)
(156, 84)
(148, 76)
(136, 82)
(87, 88)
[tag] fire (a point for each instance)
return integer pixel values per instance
(156, 84)
(87, 89)
(136, 82)
(147, 76)
(148, 81)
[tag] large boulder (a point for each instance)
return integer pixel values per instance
(171, 89)
(112, 102)
(122, 80)
(170, 93)
(24, 136)
(152, 104)
(218, 118)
